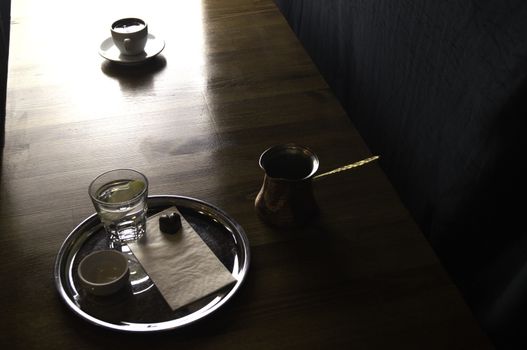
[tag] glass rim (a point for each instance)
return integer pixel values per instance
(140, 194)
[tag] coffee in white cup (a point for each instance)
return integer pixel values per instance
(130, 35)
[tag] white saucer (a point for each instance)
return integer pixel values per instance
(109, 51)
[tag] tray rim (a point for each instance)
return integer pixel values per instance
(165, 325)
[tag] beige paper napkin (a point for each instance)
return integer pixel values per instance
(181, 265)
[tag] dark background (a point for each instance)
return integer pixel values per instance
(438, 89)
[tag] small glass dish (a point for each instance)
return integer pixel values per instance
(104, 272)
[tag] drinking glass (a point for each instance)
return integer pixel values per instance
(119, 197)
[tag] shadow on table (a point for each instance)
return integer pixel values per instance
(134, 76)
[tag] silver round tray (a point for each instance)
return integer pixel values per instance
(140, 307)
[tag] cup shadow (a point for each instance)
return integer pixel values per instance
(135, 77)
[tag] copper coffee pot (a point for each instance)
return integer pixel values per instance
(286, 197)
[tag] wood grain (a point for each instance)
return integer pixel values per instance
(232, 81)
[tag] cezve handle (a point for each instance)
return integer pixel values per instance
(347, 167)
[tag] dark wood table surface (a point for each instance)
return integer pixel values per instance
(232, 81)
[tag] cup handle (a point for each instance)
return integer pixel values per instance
(127, 42)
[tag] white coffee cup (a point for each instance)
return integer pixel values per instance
(130, 35)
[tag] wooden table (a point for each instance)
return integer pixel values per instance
(232, 81)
